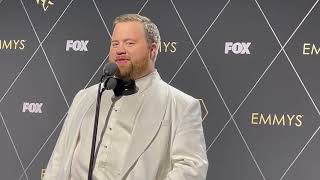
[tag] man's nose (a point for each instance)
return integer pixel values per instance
(121, 49)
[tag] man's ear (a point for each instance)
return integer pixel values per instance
(153, 51)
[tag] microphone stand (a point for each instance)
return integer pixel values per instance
(127, 88)
(95, 128)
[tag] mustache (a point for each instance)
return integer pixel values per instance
(122, 57)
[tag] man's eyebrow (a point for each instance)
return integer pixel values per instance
(129, 39)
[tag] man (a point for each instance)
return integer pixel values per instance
(154, 134)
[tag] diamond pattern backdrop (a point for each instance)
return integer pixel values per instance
(253, 64)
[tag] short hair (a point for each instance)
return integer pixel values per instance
(151, 30)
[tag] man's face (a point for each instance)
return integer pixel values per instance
(130, 50)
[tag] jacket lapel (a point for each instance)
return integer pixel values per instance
(85, 103)
(149, 116)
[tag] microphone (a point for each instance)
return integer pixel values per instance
(119, 86)
(109, 70)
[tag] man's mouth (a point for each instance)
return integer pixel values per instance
(122, 61)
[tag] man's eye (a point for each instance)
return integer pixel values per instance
(130, 43)
(114, 44)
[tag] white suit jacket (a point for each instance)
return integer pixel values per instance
(167, 140)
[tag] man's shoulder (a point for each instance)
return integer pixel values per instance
(177, 94)
(88, 92)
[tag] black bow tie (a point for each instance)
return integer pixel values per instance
(125, 87)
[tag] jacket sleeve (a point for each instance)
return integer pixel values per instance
(57, 158)
(189, 157)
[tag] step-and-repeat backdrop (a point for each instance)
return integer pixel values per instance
(253, 65)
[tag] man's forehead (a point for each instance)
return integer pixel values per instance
(128, 28)
(132, 24)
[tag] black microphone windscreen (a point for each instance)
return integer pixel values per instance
(110, 69)
(111, 83)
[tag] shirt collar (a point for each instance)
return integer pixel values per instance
(144, 82)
